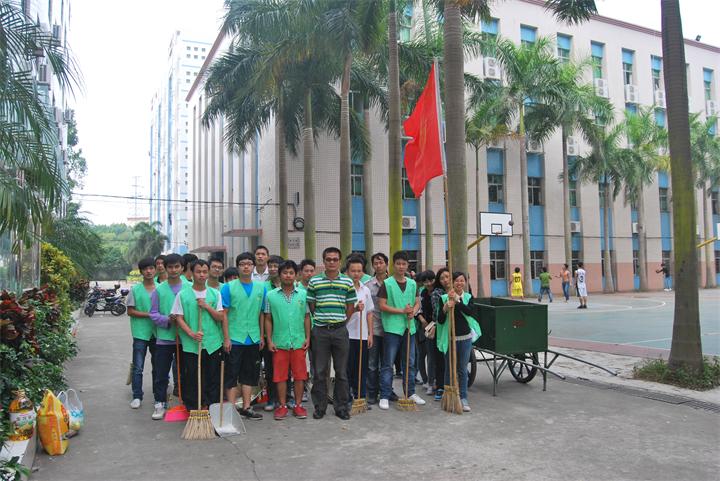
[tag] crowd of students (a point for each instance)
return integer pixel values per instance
(268, 315)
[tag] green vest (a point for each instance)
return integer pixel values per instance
(442, 331)
(185, 280)
(166, 299)
(288, 318)
(142, 327)
(398, 323)
(244, 311)
(212, 330)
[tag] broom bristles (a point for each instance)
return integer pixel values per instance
(198, 426)
(407, 404)
(451, 400)
(359, 406)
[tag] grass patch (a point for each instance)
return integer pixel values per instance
(657, 370)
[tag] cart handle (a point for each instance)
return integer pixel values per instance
(514, 359)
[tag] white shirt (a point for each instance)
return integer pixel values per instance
(353, 325)
(580, 276)
(256, 276)
(177, 307)
(130, 299)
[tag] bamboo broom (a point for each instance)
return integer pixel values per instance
(359, 405)
(407, 404)
(199, 425)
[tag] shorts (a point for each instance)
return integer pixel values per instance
(243, 366)
(582, 290)
(292, 360)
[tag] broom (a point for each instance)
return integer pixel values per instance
(359, 405)
(199, 425)
(407, 404)
(178, 413)
(451, 398)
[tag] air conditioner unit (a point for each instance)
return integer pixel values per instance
(601, 88)
(660, 99)
(711, 107)
(409, 222)
(491, 67)
(58, 115)
(572, 146)
(534, 146)
(575, 226)
(631, 94)
(496, 144)
(43, 76)
(57, 34)
(634, 227)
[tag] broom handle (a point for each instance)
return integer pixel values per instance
(199, 363)
(177, 364)
(407, 360)
(360, 357)
(222, 381)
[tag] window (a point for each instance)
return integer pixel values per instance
(356, 180)
(636, 265)
(573, 193)
(489, 34)
(714, 203)
(656, 65)
(413, 258)
(598, 52)
(188, 48)
(535, 190)
(707, 83)
(528, 35)
(497, 265)
(407, 191)
(495, 188)
(195, 56)
(664, 207)
(717, 262)
(404, 19)
(575, 260)
(196, 49)
(628, 57)
(537, 260)
(564, 43)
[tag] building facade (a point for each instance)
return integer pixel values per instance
(628, 70)
(168, 144)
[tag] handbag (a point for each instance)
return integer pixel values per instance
(430, 330)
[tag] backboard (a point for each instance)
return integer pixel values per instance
(496, 224)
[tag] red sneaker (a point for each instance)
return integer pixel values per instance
(281, 413)
(300, 412)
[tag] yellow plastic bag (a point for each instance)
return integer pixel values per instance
(53, 421)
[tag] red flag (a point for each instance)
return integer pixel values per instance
(423, 158)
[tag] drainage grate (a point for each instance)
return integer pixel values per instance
(644, 393)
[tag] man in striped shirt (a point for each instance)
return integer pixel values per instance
(331, 300)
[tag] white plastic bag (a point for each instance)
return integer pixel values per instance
(74, 407)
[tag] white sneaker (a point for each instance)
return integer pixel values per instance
(384, 404)
(465, 405)
(418, 400)
(429, 390)
(159, 411)
(135, 403)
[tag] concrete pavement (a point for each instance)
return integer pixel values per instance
(570, 432)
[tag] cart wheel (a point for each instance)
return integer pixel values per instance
(472, 367)
(521, 372)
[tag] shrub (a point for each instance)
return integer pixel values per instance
(657, 370)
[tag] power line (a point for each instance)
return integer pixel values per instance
(179, 201)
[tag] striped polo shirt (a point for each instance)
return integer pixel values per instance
(331, 297)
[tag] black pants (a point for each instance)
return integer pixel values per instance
(353, 361)
(268, 363)
(439, 364)
(330, 343)
(210, 374)
(420, 357)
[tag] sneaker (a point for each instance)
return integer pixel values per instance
(300, 412)
(305, 396)
(281, 413)
(384, 404)
(439, 394)
(135, 403)
(270, 406)
(250, 414)
(372, 400)
(344, 415)
(318, 414)
(393, 397)
(465, 405)
(291, 403)
(429, 390)
(418, 400)
(159, 411)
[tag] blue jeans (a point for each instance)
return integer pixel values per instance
(566, 290)
(668, 282)
(463, 349)
(392, 344)
(542, 291)
(374, 359)
(139, 351)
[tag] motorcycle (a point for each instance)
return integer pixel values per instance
(106, 300)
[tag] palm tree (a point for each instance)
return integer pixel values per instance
(636, 164)
(685, 350)
(706, 157)
(149, 241)
(72, 233)
(32, 185)
(601, 167)
(530, 71)
(394, 129)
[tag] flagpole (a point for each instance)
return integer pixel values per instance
(451, 401)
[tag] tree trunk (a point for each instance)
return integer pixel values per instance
(394, 147)
(429, 231)
(478, 252)
(308, 185)
(607, 258)
(710, 280)
(686, 350)
(525, 205)
(642, 242)
(367, 193)
(567, 232)
(455, 133)
(282, 185)
(345, 192)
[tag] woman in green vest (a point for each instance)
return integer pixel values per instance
(467, 331)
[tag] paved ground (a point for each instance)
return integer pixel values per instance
(570, 432)
(642, 320)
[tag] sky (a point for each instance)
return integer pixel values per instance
(122, 50)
